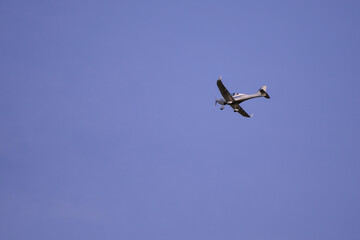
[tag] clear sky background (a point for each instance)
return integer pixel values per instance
(108, 128)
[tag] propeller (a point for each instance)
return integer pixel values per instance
(216, 101)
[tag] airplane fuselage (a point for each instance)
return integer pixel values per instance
(239, 98)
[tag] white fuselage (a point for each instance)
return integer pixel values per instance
(239, 97)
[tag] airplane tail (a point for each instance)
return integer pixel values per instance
(263, 92)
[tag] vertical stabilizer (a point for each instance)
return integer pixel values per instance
(263, 92)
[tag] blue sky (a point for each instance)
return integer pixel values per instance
(108, 128)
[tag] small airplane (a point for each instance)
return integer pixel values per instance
(234, 99)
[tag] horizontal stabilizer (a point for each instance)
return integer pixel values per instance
(263, 92)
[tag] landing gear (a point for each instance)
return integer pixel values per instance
(222, 108)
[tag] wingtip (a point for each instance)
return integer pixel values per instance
(220, 77)
(251, 115)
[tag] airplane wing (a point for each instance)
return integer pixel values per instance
(240, 110)
(224, 92)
